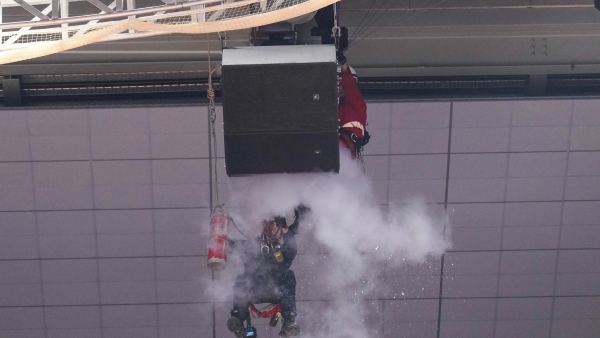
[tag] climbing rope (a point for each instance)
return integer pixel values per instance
(238, 229)
(210, 94)
(361, 160)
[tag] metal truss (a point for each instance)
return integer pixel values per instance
(54, 17)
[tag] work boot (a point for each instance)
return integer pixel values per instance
(289, 327)
(236, 326)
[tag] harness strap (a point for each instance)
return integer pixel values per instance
(357, 142)
(347, 141)
(266, 312)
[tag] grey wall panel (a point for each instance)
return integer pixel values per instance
(117, 208)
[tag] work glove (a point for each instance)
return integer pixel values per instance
(300, 211)
(341, 58)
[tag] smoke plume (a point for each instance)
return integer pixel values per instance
(344, 241)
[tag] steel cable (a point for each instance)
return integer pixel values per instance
(377, 29)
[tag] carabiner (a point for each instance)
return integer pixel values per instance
(337, 31)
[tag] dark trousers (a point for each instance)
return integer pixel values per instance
(276, 289)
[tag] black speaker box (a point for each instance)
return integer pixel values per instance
(280, 110)
(597, 4)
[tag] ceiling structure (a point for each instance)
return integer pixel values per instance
(102, 210)
(526, 47)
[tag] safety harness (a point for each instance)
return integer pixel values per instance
(351, 139)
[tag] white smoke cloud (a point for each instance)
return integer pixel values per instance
(358, 234)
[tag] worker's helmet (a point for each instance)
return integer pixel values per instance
(272, 228)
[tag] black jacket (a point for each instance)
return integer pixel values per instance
(262, 260)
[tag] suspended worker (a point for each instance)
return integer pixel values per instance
(267, 277)
(352, 110)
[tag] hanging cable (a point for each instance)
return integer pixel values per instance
(210, 94)
(361, 29)
(363, 19)
(361, 160)
(377, 15)
(238, 229)
(398, 23)
(375, 18)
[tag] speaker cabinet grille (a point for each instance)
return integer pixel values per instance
(248, 154)
(280, 117)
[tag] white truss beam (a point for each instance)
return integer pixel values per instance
(24, 30)
(64, 13)
(91, 23)
(55, 9)
(32, 10)
(218, 13)
(101, 6)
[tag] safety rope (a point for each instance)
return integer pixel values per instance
(361, 160)
(238, 229)
(210, 94)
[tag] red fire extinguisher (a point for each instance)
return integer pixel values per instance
(217, 242)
